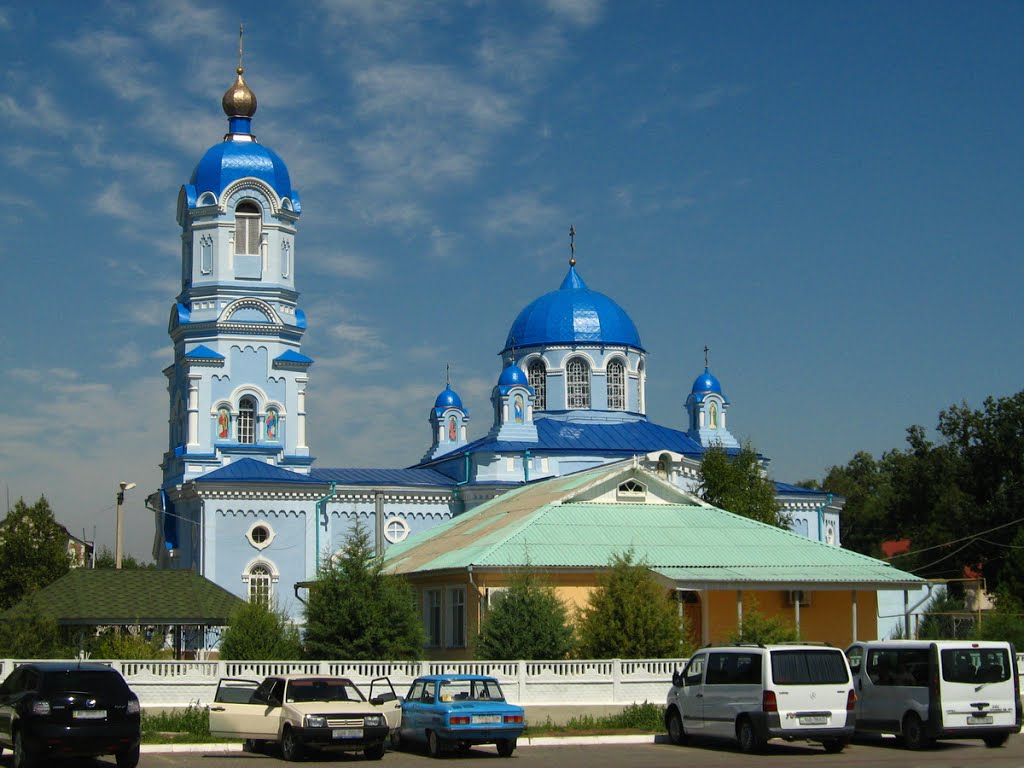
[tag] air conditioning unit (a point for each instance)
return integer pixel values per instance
(794, 596)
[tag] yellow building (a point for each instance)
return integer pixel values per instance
(568, 528)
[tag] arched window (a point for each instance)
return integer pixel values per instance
(248, 219)
(537, 374)
(578, 381)
(259, 584)
(641, 384)
(616, 375)
(246, 420)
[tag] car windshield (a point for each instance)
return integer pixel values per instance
(806, 667)
(975, 665)
(470, 690)
(322, 689)
(85, 681)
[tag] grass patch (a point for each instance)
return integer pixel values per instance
(181, 726)
(639, 718)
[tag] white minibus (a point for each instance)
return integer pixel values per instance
(923, 690)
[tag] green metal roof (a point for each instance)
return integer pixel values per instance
(553, 525)
(136, 596)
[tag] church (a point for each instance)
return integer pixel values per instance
(242, 501)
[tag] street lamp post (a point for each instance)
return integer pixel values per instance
(122, 487)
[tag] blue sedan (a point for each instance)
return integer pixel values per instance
(458, 711)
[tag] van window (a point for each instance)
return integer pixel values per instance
(898, 666)
(803, 667)
(975, 665)
(694, 671)
(733, 669)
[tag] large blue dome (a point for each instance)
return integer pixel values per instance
(573, 313)
(232, 160)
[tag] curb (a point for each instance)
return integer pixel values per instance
(537, 741)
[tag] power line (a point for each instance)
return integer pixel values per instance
(973, 536)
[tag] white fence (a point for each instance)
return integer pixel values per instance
(606, 681)
(596, 682)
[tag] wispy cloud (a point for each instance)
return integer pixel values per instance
(344, 264)
(37, 112)
(521, 213)
(583, 13)
(113, 202)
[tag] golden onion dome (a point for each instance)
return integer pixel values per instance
(239, 100)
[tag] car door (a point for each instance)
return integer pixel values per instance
(246, 709)
(9, 691)
(412, 727)
(855, 657)
(691, 695)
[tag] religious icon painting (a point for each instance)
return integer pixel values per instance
(517, 407)
(271, 424)
(451, 428)
(223, 421)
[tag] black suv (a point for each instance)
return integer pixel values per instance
(68, 709)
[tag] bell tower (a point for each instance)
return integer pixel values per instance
(238, 380)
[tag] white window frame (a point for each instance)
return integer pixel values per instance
(246, 422)
(433, 616)
(259, 580)
(456, 614)
(577, 384)
(248, 228)
(615, 377)
(395, 530)
(537, 374)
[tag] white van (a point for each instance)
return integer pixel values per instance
(922, 690)
(755, 693)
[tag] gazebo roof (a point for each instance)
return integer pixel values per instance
(125, 597)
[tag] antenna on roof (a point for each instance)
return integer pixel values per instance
(572, 246)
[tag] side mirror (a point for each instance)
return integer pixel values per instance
(677, 679)
(383, 698)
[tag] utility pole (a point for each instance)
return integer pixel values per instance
(122, 487)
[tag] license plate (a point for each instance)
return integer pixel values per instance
(979, 720)
(816, 720)
(486, 719)
(89, 714)
(347, 733)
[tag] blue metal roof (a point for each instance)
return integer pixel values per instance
(627, 439)
(230, 161)
(291, 356)
(252, 471)
(203, 352)
(407, 477)
(798, 490)
(573, 313)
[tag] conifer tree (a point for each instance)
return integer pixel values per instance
(529, 622)
(33, 551)
(357, 611)
(256, 631)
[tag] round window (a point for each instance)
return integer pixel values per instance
(395, 530)
(260, 534)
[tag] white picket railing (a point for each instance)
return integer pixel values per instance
(585, 682)
(605, 681)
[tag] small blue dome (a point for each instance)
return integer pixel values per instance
(706, 383)
(231, 160)
(448, 399)
(573, 313)
(513, 376)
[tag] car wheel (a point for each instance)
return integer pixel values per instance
(749, 741)
(374, 752)
(434, 744)
(996, 741)
(506, 747)
(834, 746)
(23, 756)
(674, 725)
(291, 746)
(913, 732)
(255, 746)
(128, 758)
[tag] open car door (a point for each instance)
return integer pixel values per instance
(243, 710)
(382, 694)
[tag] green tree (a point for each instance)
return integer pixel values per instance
(259, 631)
(938, 622)
(864, 484)
(629, 615)
(738, 484)
(1006, 622)
(761, 629)
(33, 551)
(30, 633)
(356, 610)
(107, 559)
(129, 643)
(529, 622)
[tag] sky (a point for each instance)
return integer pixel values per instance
(828, 195)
